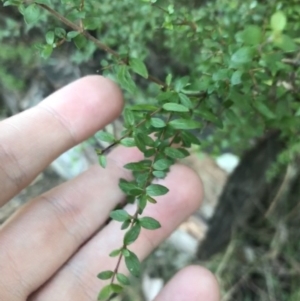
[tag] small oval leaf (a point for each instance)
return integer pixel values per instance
(119, 215)
(138, 67)
(149, 223)
(174, 107)
(122, 279)
(132, 234)
(105, 275)
(156, 190)
(133, 264)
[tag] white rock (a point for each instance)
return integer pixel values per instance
(228, 162)
(151, 287)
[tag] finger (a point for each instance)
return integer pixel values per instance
(192, 283)
(43, 235)
(31, 140)
(77, 280)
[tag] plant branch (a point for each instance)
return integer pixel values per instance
(94, 40)
(101, 152)
(147, 182)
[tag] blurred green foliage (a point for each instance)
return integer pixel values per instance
(243, 55)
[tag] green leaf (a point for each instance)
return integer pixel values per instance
(264, 110)
(174, 107)
(142, 202)
(125, 252)
(12, 2)
(125, 80)
(136, 192)
(151, 200)
(252, 35)
(125, 224)
(278, 21)
(139, 142)
(138, 67)
(143, 107)
(122, 279)
(147, 140)
(115, 253)
(162, 164)
(105, 275)
(128, 142)
(236, 78)
(139, 166)
(72, 34)
(169, 79)
(116, 288)
(126, 186)
(32, 14)
(181, 83)
(141, 177)
(156, 190)
(157, 123)
(189, 138)
(47, 51)
(159, 174)
(132, 234)
(163, 96)
(105, 136)
(60, 32)
(133, 264)
(207, 114)
(231, 115)
(46, 2)
(120, 215)
(184, 124)
(285, 43)
(185, 100)
(128, 117)
(91, 23)
(243, 55)
(149, 223)
(149, 152)
(80, 41)
(221, 74)
(143, 140)
(130, 188)
(105, 292)
(76, 15)
(176, 153)
(50, 37)
(130, 199)
(102, 161)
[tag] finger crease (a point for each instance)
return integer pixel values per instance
(63, 121)
(22, 288)
(60, 213)
(16, 177)
(77, 273)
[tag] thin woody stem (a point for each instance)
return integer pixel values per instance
(136, 214)
(125, 136)
(94, 40)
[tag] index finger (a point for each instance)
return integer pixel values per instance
(31, 140)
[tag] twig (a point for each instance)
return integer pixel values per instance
(94, 40)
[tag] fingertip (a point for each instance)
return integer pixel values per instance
(107, 88)
(205, 282)
(192, 283)
(86, 105)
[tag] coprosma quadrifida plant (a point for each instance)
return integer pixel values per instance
(242, 80)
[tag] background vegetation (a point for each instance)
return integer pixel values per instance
(237, 61)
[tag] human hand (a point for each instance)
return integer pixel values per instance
(52, 249)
